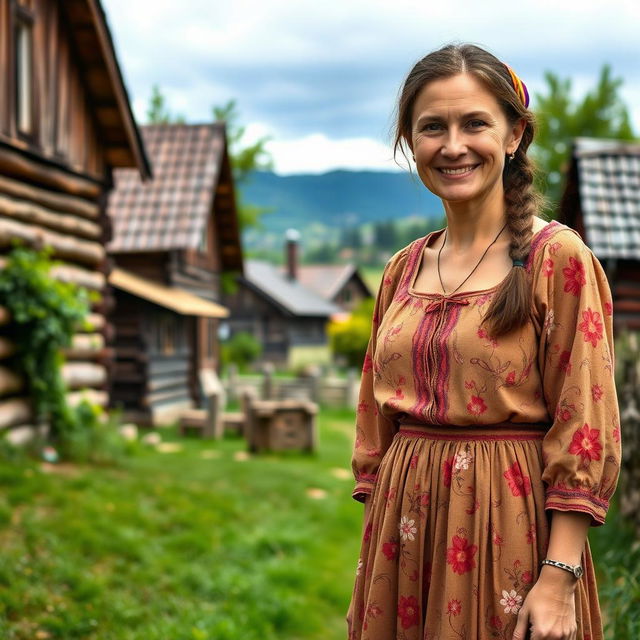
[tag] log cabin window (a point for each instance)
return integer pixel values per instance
(23, 69)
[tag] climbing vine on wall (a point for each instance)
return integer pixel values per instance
(45, 314)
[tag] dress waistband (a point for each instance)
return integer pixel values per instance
(499, 431)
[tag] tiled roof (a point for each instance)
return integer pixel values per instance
(325, 279)
(289, 294)
(170, 211)
(608, 173)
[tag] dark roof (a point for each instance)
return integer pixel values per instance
(290, 295)
(604, 186)
(327, 279)
(171, 211)
(105, 85)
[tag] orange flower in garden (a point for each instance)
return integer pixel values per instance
(591, 326)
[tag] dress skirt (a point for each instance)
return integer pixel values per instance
(455, 535)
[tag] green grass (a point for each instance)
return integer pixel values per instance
(185, 546)
(176, 546)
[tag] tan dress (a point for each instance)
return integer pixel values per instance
(466, 443)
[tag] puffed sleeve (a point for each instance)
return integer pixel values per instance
(581, 450)
(374, 431)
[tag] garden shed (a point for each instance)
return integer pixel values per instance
(601, 201)
(65, 124)
(173, 238)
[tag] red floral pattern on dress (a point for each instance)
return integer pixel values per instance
(454, 607)
(608, 308)
(586, 444)
(574, 277)
(547, 268)
(408, 611)
(447, 471)
(495, 622)
(460, 555)
(368, 363)
(390, 549)
(596, 392)
(363, 406)
(564, 363)
(591, 326)
(518, 482)
(476, 405)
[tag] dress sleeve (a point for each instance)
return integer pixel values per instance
(581, 450)
(374, 431)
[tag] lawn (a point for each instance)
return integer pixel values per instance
(203, 543)
(195, 544)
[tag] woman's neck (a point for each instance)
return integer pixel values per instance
(474, 223)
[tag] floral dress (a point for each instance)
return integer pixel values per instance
(466, 443)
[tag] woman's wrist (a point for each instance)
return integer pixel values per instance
(557, 577)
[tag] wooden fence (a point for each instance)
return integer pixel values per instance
(324, 389)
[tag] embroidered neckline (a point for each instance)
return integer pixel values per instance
(421, 244)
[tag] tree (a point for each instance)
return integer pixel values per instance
(158, 112)
(601, 114)
(244, 160)
(349, 339)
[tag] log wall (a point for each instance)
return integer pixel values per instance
(64, 124)
(52, 193)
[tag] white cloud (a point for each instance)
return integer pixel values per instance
(324, 76)
(316, 153)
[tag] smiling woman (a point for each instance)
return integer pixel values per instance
(487, 437)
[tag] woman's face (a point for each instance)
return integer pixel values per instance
(460, 137)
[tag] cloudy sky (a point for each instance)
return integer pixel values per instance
(320, 78)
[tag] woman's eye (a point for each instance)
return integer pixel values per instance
(477, 123)
(431, 126)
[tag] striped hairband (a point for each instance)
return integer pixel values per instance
(519, 86)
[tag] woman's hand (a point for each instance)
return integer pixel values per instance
(549, 608)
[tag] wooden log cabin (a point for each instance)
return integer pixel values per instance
(288, 318)
(65, 123)
(173, 238)
(601, 201)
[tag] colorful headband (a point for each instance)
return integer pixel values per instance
(519, 86)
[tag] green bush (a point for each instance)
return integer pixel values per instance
(45, 315)
(241, 349)
(349, 339)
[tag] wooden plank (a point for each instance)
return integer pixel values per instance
(16, 164)
(94, 280)
(56, 220)
(14, 411)
(10, 382)
(84, 374)
(7, 348)
(94, 396)
(64, 246)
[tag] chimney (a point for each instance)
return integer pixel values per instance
(293, 237)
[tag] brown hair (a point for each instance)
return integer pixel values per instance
(510, 306)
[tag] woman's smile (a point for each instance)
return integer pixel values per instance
(456, 173)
